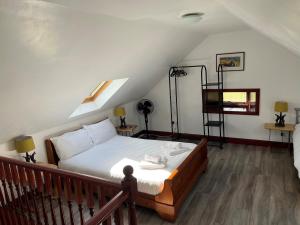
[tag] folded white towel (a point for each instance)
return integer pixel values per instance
(155, 159)
(152, 158)
(184, 145)
(151, 166)
(179, 151)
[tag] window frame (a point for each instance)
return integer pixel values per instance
(247, 90)
(97, 91)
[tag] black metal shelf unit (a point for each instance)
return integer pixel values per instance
(217, 122)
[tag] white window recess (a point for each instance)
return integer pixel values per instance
(96, 100)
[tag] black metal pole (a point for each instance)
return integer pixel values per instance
(171, 108)
(176, 102)
(146, 122)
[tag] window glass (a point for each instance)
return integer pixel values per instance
(235, 101)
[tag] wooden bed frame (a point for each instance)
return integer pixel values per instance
(176, 188)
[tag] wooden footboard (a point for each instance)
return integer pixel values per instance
(178, 185)
(181, 181)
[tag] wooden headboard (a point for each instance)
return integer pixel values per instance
(297, 115)
(51, 152)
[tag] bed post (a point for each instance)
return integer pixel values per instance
(129, 185)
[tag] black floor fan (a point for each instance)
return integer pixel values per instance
(145, 107)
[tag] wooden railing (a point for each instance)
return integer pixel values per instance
(31, 194)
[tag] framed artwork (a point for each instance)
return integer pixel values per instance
(233, 61)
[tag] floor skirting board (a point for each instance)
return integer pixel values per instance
(215, 138)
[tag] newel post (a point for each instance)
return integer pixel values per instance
(129, 185)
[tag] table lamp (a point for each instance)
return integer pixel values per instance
(120, 111)
(25, 144)
(280, 107)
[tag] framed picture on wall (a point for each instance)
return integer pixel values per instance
(232, 61)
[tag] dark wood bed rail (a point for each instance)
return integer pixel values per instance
(31, 194)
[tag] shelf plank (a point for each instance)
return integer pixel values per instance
(212, 84)
(214, 123)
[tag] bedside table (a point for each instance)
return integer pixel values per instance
(287, 128)
(48, 165)
(128, 131)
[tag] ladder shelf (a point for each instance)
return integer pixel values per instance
(217, 122)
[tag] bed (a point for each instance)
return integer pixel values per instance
(296, 142)
(163, 190)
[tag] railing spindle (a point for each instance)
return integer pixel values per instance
(118, 216)
(3, 216)
(11, 217)
(4, 213)
(40, 190)
(90, 198)
(24, 185)
(9, 181)
(32, 186)
(69, 196)
(49, 191)
(103, 203)
(17, 184)
(60, 194)
(79, 199)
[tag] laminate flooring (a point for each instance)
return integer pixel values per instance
(244, 185)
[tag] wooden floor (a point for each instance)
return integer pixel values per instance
(244, 185)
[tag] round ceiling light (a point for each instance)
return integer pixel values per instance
(192, 17)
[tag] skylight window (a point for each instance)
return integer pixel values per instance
(98, 91)
(99, 96)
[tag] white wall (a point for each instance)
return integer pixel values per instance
(8, 148)
(52, 57)
(269, 67)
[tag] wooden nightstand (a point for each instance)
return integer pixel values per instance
(287, 128)
(48, 165)
(128, 131)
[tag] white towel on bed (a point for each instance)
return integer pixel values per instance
(152, 158)
(183, 145)
(151, 166)
(181, 148)
(158, 159)
(179, 151)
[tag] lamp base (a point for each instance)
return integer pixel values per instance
(123, 123)
(279, 122)
(30, 157)
(279, 125)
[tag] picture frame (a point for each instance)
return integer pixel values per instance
(232, 61)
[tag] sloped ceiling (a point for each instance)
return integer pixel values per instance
(277, 19)
(54, 53)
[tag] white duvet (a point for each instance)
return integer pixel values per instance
(108, 159)
(296, 143)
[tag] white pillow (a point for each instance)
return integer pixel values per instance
(72, 143)
(102, 131)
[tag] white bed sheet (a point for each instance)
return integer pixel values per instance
(296, 145)
(108, 159)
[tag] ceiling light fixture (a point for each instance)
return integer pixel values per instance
(192, 17)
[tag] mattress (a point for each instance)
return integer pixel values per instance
(108, 159)
(296, 143)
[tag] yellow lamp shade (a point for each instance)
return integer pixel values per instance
(281, 107)
(24, 144)
(120, 111)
